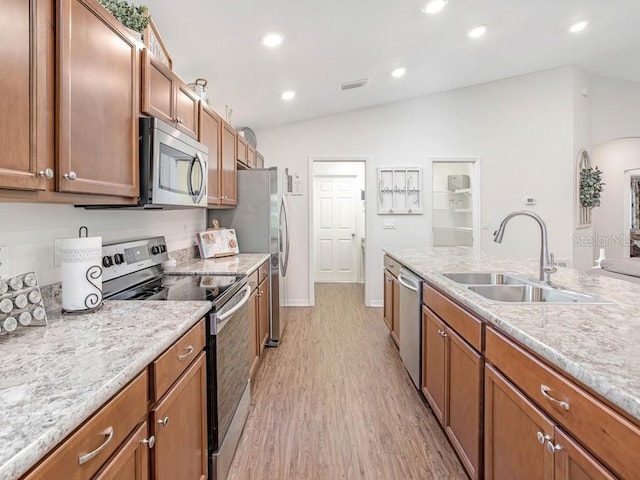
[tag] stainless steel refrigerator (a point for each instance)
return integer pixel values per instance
(260, 222)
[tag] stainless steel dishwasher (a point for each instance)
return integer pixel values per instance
(410, 323)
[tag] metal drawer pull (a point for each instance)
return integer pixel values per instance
(545, 393)
(164, 421)
(442, 333)
(188, 352)
(151, 441)
(551, 448)
(82, 459)
(542, 437)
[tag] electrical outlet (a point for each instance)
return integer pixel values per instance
(389, 224)
(5, 262)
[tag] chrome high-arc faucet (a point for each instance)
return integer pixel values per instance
(547, 266)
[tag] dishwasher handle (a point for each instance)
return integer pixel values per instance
(410, 286)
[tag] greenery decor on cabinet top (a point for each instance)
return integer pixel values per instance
(590, 187)
(127, 14)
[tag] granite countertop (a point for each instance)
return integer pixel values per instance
(53, 378)
(241, 263)
(595, 344)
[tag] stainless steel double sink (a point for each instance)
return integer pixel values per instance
(511, 287)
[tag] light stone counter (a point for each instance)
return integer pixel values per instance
(241, 263)
(53, 378)
(595, 344)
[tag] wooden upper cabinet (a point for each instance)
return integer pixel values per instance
(229, 179)
(98, 102)
(167, 97)
(252, 161)
(26, 105)
(259, 160)
(242, 150)
(210, 133)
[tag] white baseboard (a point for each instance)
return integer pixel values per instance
(296, 303)
(376, 303)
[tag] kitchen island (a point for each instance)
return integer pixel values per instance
(545, 369)
(53, 378)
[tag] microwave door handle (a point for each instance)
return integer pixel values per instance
(203, 171)
(189, 182)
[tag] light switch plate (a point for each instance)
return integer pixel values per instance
(5, 262)
(389, 224)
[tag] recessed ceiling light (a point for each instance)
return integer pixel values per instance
(434, 6)
(288, 95)
(578, 27)
(399, 72)
(272, 40)
(478, 31)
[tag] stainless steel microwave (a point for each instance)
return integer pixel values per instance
(173, 167)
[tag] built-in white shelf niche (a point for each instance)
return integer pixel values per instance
(400, 191)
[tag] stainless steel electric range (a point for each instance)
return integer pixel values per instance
(133, 271)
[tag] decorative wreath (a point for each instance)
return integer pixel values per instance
(590, 187)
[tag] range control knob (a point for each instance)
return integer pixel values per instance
(118, 258)
(163, 248)
(107, 261)
(155, 250)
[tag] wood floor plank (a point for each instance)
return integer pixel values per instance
(334, 401)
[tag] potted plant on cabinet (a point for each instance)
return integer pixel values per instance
(132, 17)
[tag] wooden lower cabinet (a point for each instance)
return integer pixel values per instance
(452, 384)
(263, 313)
(179, 425)
(388, 300)
(392, 305)
(131, 462)
(522, 442)
(254, 343)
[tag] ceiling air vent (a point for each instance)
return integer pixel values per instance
(354, 84)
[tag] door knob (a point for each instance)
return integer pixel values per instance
(164, 421)
(353, 235)
(46, 173)
(70, 176)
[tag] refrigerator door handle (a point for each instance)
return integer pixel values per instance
(284, 263)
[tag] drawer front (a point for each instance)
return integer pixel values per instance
(392, 265)
(170, 365)
(467, 326)
(608, 435)
(253, 280)
(263, 271)
(82, 454)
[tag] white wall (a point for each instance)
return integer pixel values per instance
(615, 109)
(29, 231)
(521, 128)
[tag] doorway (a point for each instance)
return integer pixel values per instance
(455, 202)
(337, 221)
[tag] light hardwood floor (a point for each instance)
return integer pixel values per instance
(335, 402)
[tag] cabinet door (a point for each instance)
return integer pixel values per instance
(158, 99)
(179, 423)
(259, 160)
(433, 351)
(515, 431)
(572, 462)
(242, 150)
(98, 102)
(254, 342)
(186, 110)
(26, 104)
(229, 183)
(395, 312)
(209, 134)
(263, 312)
(388, 299)
(251, 157)
(131, 462)
(463, 416)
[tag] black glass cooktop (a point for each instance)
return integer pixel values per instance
(214, 288)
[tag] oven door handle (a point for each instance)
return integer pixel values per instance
(238, 306)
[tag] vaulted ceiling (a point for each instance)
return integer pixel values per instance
(330, 42)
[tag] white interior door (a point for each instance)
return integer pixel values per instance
(335, 228)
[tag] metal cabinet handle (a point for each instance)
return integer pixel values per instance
(545, 393)
(259, 294)
(542, 437)
(188, 351)
(551, 448)
(151, 441)
(46, 173)
(442, 333)
(164, 421)
(70, 176)
(82, 459)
